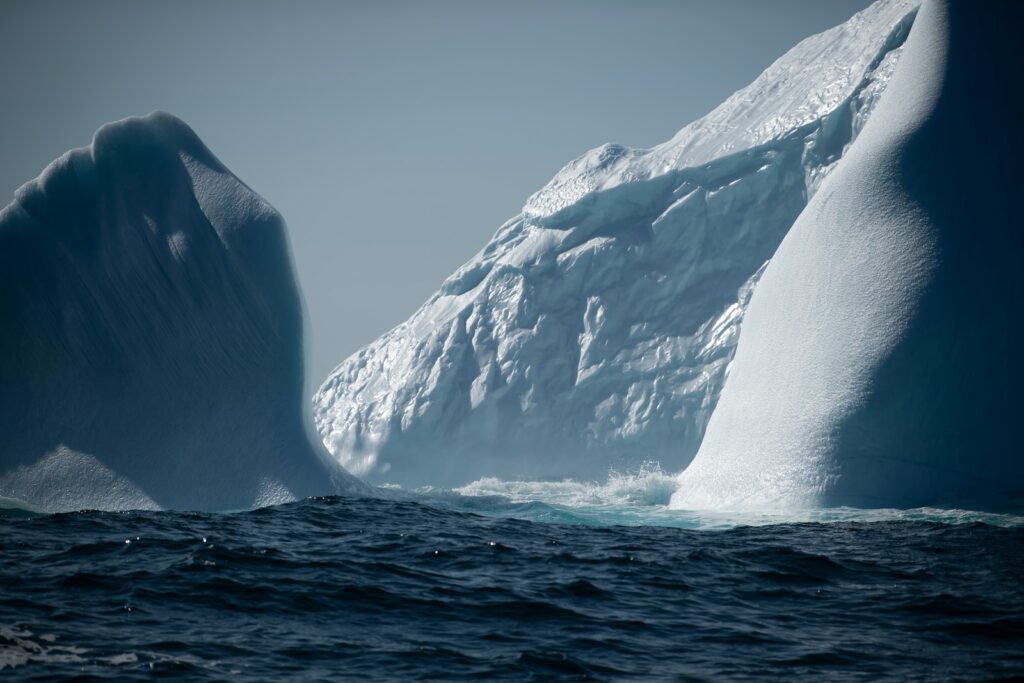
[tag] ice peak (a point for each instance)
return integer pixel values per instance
(809, 81)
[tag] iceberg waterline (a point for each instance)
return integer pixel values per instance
(151, 335)
(594, 331)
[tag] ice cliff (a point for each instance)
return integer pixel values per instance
(595, 329)
(879, 362)
(151, 335)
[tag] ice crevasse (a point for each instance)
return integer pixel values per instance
(594, 331)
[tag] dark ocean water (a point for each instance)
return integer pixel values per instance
(391, 590)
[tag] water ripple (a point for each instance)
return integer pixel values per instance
(402, 590)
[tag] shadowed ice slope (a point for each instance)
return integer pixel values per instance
(880, 361)
(151, 334)
(594, 330)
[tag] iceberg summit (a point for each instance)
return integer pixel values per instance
(151, 335)
(880, 361)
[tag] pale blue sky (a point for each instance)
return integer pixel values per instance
(394, 137)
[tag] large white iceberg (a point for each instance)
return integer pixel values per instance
(880, 362)
(151, 335)
(595, 329)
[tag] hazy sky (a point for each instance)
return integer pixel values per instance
(394, 137)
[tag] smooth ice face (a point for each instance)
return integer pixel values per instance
(151, 335)
(879, 362)
(595, 329)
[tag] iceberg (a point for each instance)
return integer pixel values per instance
(595, 329)
(879, 361)
(151, 349)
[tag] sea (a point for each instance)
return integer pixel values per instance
(512, 582)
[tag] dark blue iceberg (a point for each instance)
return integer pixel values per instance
(151, 334)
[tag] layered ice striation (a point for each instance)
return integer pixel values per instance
(880, 362)
(151, 335)
(594, 331)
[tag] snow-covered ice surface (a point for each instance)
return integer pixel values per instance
(880, 362)
(595, 329)
(151, 335)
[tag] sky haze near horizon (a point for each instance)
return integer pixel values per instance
(395, 137)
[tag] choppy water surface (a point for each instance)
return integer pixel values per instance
(406, 590)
